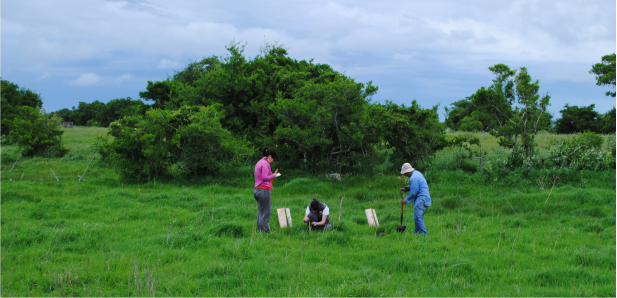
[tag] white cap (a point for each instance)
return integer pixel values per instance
(406, 168)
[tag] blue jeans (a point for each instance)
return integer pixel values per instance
(418, 217)
(263, 198)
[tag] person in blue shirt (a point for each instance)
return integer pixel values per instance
(419, 194)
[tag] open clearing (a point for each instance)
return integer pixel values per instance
(108, 237)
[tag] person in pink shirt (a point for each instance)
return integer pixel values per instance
(263, 186)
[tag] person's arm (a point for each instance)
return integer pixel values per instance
(306, 219)
(413, 190)
(322, 222)
(265, 170)
(324, 217)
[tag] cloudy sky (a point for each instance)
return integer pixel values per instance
(436, 52)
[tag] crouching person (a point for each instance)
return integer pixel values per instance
(318, 215)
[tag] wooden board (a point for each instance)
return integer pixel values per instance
(369, 217)
(288, 217)
(282, 217)
(375, 217)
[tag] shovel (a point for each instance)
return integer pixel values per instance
(401, 228)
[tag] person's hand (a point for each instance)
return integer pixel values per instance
(278, 174)
(306, 219)
(405, 189)
(404, 202)
(314, 224)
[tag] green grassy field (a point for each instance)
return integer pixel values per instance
(107, 237)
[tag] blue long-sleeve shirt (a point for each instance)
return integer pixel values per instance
(418, 189)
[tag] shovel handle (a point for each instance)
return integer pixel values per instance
(401, 213)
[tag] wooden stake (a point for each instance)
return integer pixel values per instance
(52, 171)
(22, 176)
(340, 208)
(288, 213)
(15, 163)
(549, 193)
(82, 176)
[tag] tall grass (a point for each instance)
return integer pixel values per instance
(108, 237)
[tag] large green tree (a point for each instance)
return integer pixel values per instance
(314, 116)
(13, 98)
(512, 107)
(576, 119)
(329, 122)
(415, 133)
(605, 72)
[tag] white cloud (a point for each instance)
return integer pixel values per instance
(90, 79)
(86, 79)
(145, 38)
(122, 78)
(167, 64)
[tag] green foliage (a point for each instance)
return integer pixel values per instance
(576, 119)
(461, 117)
(248, 88)
(470, 124)
(513, 108)
(316, 118)
(605, 72)
(13, 98)
(415, 133)
(163, 142)
(608, 121)
(509, 108)
(37, 133)
(581, 151)
(471, 144)
(164, 94)
(102, 114)
(461, 109)
(328, 123)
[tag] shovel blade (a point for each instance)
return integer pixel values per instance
(401, 229)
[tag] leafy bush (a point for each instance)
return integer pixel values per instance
(414, 133)
(328, 124)
(188, 141)
(37, 133)
(582, 151)
(13, 98)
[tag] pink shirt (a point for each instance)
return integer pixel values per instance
(263, 173)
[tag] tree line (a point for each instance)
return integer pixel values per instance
(221, 110)
(102, 114)
(470, 114)
(315, 117)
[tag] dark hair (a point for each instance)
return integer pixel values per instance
(315, 205)
(267, 152)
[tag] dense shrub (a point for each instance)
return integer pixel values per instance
(576, 119)
(37, 133)
(582, 151)
(183, 142)
(13, 98)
